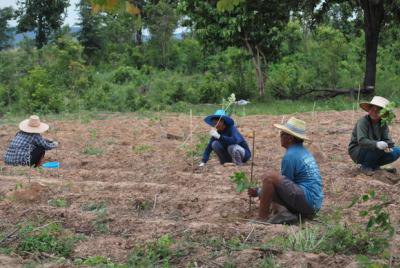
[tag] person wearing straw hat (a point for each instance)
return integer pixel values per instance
(371, 144)
(28, 146)
(299, 186)
(226, 140)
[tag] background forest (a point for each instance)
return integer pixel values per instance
(168, 54)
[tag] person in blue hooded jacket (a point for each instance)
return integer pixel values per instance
(226, 140)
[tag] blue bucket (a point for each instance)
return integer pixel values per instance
(51, 165)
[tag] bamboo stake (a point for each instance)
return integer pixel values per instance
(252, 165)
(191, 140)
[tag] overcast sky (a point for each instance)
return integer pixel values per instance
(72, 12)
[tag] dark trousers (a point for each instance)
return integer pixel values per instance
(37, 155)
(376, 158)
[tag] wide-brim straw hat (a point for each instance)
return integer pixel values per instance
(294, 127)
(33, 125)
(377, 101)
(219, 114)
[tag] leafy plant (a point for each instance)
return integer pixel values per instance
(47, 239)
(387, 114)
(242, 182)
(379, 218)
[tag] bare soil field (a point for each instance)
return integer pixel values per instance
(127, 180)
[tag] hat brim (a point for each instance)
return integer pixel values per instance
(227, 120)
(39, 129)
(288, 131)
(367, 105)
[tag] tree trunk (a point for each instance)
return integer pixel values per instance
(256, 60)
(138, 37)
(373, 18)
(41, 36)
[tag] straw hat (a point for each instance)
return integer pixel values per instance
(33, 125)
(377, 101)
(294, 127)
(219, 114)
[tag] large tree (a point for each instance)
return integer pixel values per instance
(6, 14)
(161, 20)
(253, 25)
(89, 35)
(42, 16)
(376, 14)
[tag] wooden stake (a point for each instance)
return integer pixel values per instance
(252, 165)
(191, 140)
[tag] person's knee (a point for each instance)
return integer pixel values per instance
(396, 152)
(271, 178)
(216, 145)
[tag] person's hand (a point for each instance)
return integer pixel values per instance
(252, 192)
(202, 164)
(214, 133)
(56, 143)
(381, 145)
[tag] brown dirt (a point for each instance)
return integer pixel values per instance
(146, 181)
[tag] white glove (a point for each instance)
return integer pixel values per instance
(202, 164)
(381, 145)
(55, 143)
(214, 133)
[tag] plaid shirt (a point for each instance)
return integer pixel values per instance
(20, 148)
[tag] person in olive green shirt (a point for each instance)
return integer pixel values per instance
(371, 145)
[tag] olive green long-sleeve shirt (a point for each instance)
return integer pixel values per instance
(366, 135)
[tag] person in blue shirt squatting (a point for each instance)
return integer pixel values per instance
(299, 186)
(225, 141)
(28, 147)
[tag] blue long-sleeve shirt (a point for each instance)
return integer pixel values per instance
(229, 136)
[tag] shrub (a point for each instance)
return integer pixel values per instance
(125, 74)
(37, 94)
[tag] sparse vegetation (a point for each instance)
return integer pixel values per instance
(58, 202)
(90, 150)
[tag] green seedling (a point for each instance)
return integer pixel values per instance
(242, 182)
(93, 134)
(387, 114)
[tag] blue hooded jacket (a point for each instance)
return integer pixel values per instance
(229, 136)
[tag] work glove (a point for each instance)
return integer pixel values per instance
(381, 145)
(202, 164)
(214, 133)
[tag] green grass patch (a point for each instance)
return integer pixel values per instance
(95, 206)
(155, 254)
(142, 148)
(90, 150)
(58, 203)
(100, 224)
(51, 239)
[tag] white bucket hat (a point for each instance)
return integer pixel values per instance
(33, 125)
(294, 127)
(377, 101)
